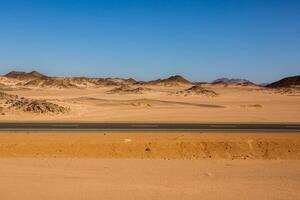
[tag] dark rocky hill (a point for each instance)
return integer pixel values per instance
(24, 75)
(227, 81)
(172, 80)
(286, 82)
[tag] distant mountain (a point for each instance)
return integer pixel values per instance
(177, 78)
(172, 80)
(24, 75)
(263, 84)
(200, 83)
(36, 79)
(286, 82)
(227, 81)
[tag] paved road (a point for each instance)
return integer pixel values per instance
(147, 127)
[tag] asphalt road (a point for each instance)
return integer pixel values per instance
(81, 126)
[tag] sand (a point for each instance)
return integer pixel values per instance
(233, 104)
(160, 165)
(145, 165)
(81, 179)
(158, 145)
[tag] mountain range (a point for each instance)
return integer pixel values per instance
(34, 78)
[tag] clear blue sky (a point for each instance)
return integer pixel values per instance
(202, 40)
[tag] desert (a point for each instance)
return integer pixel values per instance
(148, 164)
(149, 100)
(161, 165)
(148, 179)
(173, 99)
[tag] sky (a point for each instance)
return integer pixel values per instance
(201, 40)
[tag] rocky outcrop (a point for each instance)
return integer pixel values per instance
(286, 82)
(125, 89)
(24, 75)
(238, 82)
(196, 90)
(36, 79)
(14, 102)
(171, 81)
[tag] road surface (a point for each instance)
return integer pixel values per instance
(82, 126)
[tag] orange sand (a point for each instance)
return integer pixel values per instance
(161, 145)
(93, 179)
(234, 104)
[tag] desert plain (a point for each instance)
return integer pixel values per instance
(147, 165)
(173, 99)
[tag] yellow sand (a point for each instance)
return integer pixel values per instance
(234, 104)
(154, 166)
(151, 145)
(126, 179)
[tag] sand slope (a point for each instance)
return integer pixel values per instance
(151, 145)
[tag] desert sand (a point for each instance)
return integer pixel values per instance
(92, 179)
(112, 165)
(233, 104)
(158, 145)
(146, 165)
(175, 99)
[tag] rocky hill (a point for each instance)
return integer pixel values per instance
(51, 82)
(171, 81)
(125, 89)
(286, 82)
(10, 102)
(196, 90)
(227, 81)
(36, 79)
(24, 75)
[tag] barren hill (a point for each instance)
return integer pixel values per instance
(51, 82)
(125, 89)
(196, 90)
(36, 79)
(286, 82)
(171, 81)
(24, 75)
(226, 81)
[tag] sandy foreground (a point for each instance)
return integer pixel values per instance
(161, 165)
(83, 179)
